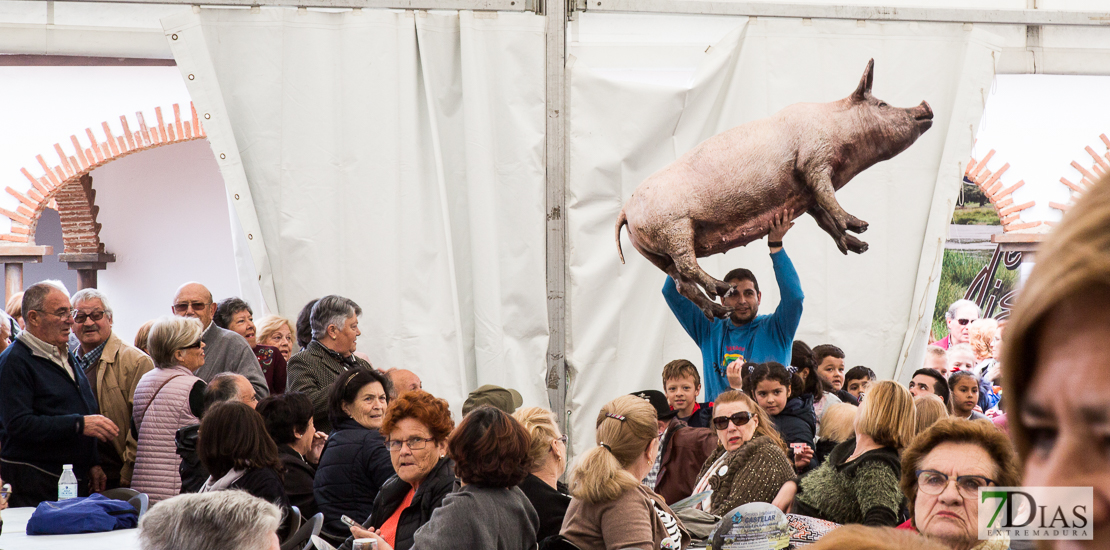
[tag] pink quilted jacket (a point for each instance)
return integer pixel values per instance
(157, 463)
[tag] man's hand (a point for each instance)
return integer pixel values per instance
(318, 441)
(100, 427)
(734, 372)
(97, 479)
(371, 533)
(781, 224)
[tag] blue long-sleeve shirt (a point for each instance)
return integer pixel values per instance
(766, 338)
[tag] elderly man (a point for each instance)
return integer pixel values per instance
(224, 388)
(224, 350)
(959, 315)
(113, 369)
(334, 321)
(403, 381)
(48, 413)
(218, 520)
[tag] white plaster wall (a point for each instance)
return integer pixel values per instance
(165, 217)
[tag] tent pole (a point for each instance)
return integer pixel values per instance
(556, 12)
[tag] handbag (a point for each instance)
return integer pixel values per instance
(92, 514)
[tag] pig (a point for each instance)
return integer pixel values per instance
(727, 191)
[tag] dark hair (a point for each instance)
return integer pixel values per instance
(233, 436)
(802, 359)
(304, 324)
(221, 389)
(679, 368)
(941, 386)
(826, 350)
(743, 275)
(345, 389)
(955, 377)
(859, 373)
(422, 407)
(490, 449)
(768, 371)
(285, 415)
(227, 309)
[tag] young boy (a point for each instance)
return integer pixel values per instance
(858, 380)
(682, 384)
(830, 367)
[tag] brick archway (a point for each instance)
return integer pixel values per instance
(67, 187)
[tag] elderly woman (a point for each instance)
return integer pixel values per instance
(235, 315)
(417, 425)
(859, 481)
(276, 331)
(289, 422)
(750, 464)
(239, 454)
(355, 462)
(942, 472)
(490, 451)
(611, 508)
(1054, 362)
(227, 520)
(167, 398)
(548, 454)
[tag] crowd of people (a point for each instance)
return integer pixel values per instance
(228, 426)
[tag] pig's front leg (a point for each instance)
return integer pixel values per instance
(844, 241)
(821, 186)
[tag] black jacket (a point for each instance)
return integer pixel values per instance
(439, 483)
(299, 476)
(265, 483)
(193, 473)
(353, 467)
(797, 422)
(550, 504)
(702, 416)
(846, 397)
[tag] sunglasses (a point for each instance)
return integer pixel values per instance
(186, 306)
(194, 345)
(739, 419)
(964, 322)
(80, 316)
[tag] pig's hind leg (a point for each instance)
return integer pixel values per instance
(684, 285)
(681, 249)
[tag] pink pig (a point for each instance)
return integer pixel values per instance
(726, 192)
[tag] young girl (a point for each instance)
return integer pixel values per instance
(772, 387)
(965, 395)
(819, 390)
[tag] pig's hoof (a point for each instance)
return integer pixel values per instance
(718, 288)
(855, 245)
(856, 225)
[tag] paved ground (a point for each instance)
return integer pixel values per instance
(971, 237)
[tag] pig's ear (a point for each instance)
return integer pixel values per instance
(864, 88)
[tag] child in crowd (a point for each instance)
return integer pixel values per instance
(830, 366)
(682, 384)
(858, 380)
(937, 359)
(960, 357)
(773, 388)
(805, 367)
(965, 395)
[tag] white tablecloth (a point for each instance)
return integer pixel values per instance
(14, 536)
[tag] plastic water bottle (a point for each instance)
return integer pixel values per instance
(67, 485)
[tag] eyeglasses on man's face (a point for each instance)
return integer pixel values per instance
(739, 419)
(63, 313)
(182, 307)
(414, 443)
(932, 482)
(80, 316)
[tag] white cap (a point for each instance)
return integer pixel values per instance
(67, 466)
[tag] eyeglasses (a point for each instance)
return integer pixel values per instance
(80, 316)
(186, 306)
(414, 443)
(62, 313)
(932, 482)
(194, 345)
(739, 419)
(964, 322)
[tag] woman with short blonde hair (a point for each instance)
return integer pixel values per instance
(611, 508)
(548, 454)
(278, 332)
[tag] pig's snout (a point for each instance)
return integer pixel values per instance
(923, 114)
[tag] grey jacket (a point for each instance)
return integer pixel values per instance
(226, 351)
(486, 518)
(311, 371)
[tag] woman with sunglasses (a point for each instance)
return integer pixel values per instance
(750, 465)
(167, 398)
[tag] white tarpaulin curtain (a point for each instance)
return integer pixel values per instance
(395, 158)
(877, 305)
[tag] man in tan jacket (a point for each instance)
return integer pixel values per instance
(113, 369)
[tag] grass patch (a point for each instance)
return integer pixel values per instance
(982, 215)
(956, 274)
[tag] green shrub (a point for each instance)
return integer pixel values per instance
(984, 215)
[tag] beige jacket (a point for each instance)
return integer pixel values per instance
(118, 372)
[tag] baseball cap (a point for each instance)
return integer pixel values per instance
(505, 399)
(659, 401)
